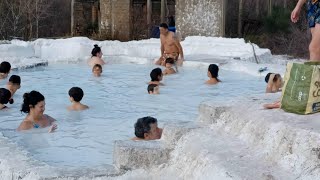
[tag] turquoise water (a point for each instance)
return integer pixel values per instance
(116, 100)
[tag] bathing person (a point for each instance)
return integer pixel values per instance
(5, 68)
(156, 76)
(14, 84)
(34, 105)
(314, 25)
(153, 89)
(274, 105)
(96, 56)
(97, 70)
(274, 83)
(146, 128)
(170, 46)
(213, 73)
(4, 97)
(76, 95)
(169, 69)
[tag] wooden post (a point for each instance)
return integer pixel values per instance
(149, 15)
(163, 11)
(240, 18)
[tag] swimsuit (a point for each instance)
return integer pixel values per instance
(313, 13)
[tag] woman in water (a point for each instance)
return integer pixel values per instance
(213, 71)
(96, 56)
(34, 105)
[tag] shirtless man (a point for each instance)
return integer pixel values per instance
(314, 25)
(170, 46)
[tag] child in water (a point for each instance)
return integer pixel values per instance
(76, 95)
(156, 76)
(213, 73)
(97, 70)
(13, 85)
(169, 69)
(153, 89)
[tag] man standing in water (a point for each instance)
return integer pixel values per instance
(314, 24)
(170, 46)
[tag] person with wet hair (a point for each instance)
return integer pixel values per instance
(156, 76)
(5, 68)
(76, 95)
(146, 128)
(213, 73)
(153, 89)
(169, 67)
(34, 106)
(5, 95)
(96, 56)
(274, 82)
(97, 70)
(13, 84)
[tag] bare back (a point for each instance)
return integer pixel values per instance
(95, 60)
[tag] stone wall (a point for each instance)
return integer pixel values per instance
(200, 17)
(116, 19)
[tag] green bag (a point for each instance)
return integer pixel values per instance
(301, 91)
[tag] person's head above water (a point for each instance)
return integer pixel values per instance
(5, 95)
(169, 62)
(275, 79)
(33, 101)
(97, 70)
(5, 68)
(153, 89)
(156, 74)
(146, 128)
(76, 94)
(213, 71)
(96, 51)
(15, 79)
(163, 28)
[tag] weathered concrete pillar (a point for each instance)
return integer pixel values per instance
(72, 17)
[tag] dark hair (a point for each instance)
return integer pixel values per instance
(5, 95)
(143, 126)
(214, 70)
(164, 25)
(32, 98)
(97, 65)
(5, 67)
(155, 73)
(170, 60)
(14, 79)
(151, 87)
(276, 76)
(76, 93)
(95, 50)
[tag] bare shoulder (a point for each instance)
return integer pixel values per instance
(49, 118)
(25, 125)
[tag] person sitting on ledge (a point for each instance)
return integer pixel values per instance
(274, 83)
(146, 128)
